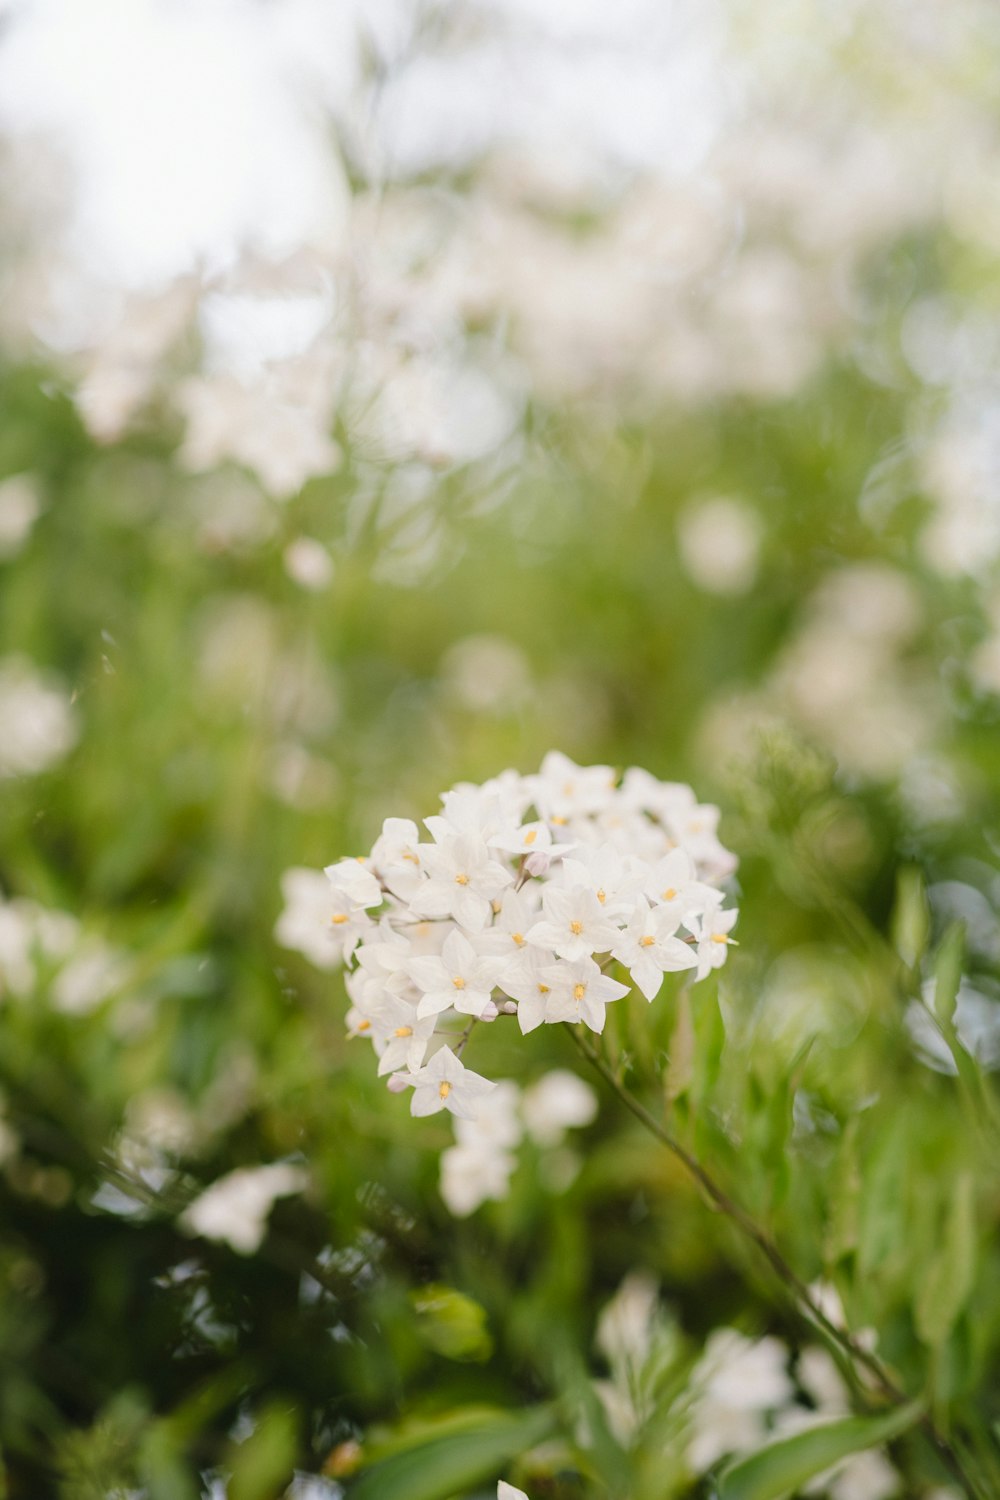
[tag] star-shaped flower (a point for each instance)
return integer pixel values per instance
(462, 881)
(461, 977)
(580, 992)
(575, 924)
(649, 948)
(445, 1084)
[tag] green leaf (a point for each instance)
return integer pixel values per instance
(948, 1282)
(440, 1467)
(782, 1467)
(451, 1323)
(261, 1466)
(910, 917)
(948, 972)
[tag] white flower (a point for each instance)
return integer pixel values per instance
(671, 884)
(605, 871)
(39, 726)
(575, 924)
(20, 507)
(649, 949)
(235, 1208)
(445, 1084)
(406, 1034)
(469, 1177)
(90, 977)
(558, 1102)
(354, 883)
(712, 935)
(460, 978)
(318, 920)
(740, 1381)
(463, 881)
(525, 981)
(308, 564)
(515, 916)
(563, 790)
(580, 992)
(396, 856)
(507, 1491)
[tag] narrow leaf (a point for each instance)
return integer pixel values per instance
(778, 1470)
(441, 1467)
(950, 1275)
(948, 972)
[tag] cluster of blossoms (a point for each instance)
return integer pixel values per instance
(529, 891)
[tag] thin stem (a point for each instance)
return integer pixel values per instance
(785, 1273)
(463, 1039)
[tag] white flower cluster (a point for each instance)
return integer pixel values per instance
(531, 889)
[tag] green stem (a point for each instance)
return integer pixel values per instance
(800, 1292)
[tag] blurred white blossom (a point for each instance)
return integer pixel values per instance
(20, 507)
(235, 1208)
(38, 726)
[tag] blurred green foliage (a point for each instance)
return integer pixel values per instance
(233, 724)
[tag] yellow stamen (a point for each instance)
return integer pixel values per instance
(560, 821)
(579, 990)
(461, 879)
(458, 982)
(339, 918)
(364, 1026)
(518, 938)
(720, 937)
(543, 989)
(496, 905)
(531, 836)
(602, 896)
(576, 928)
(411, 857)
(444, 1090)
(404, 1031)
(646, 942)
(669, 894)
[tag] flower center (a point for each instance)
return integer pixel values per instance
(602, 895)
(461, 879)
(576, 928)
(339, 918)
(444, 1090)
(531, 836)
(518, 938)
(646, 942)
(579, 990)
(719, 937)
(458, 982)
(404, 1030)
(669, 894)
(364, 1025)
